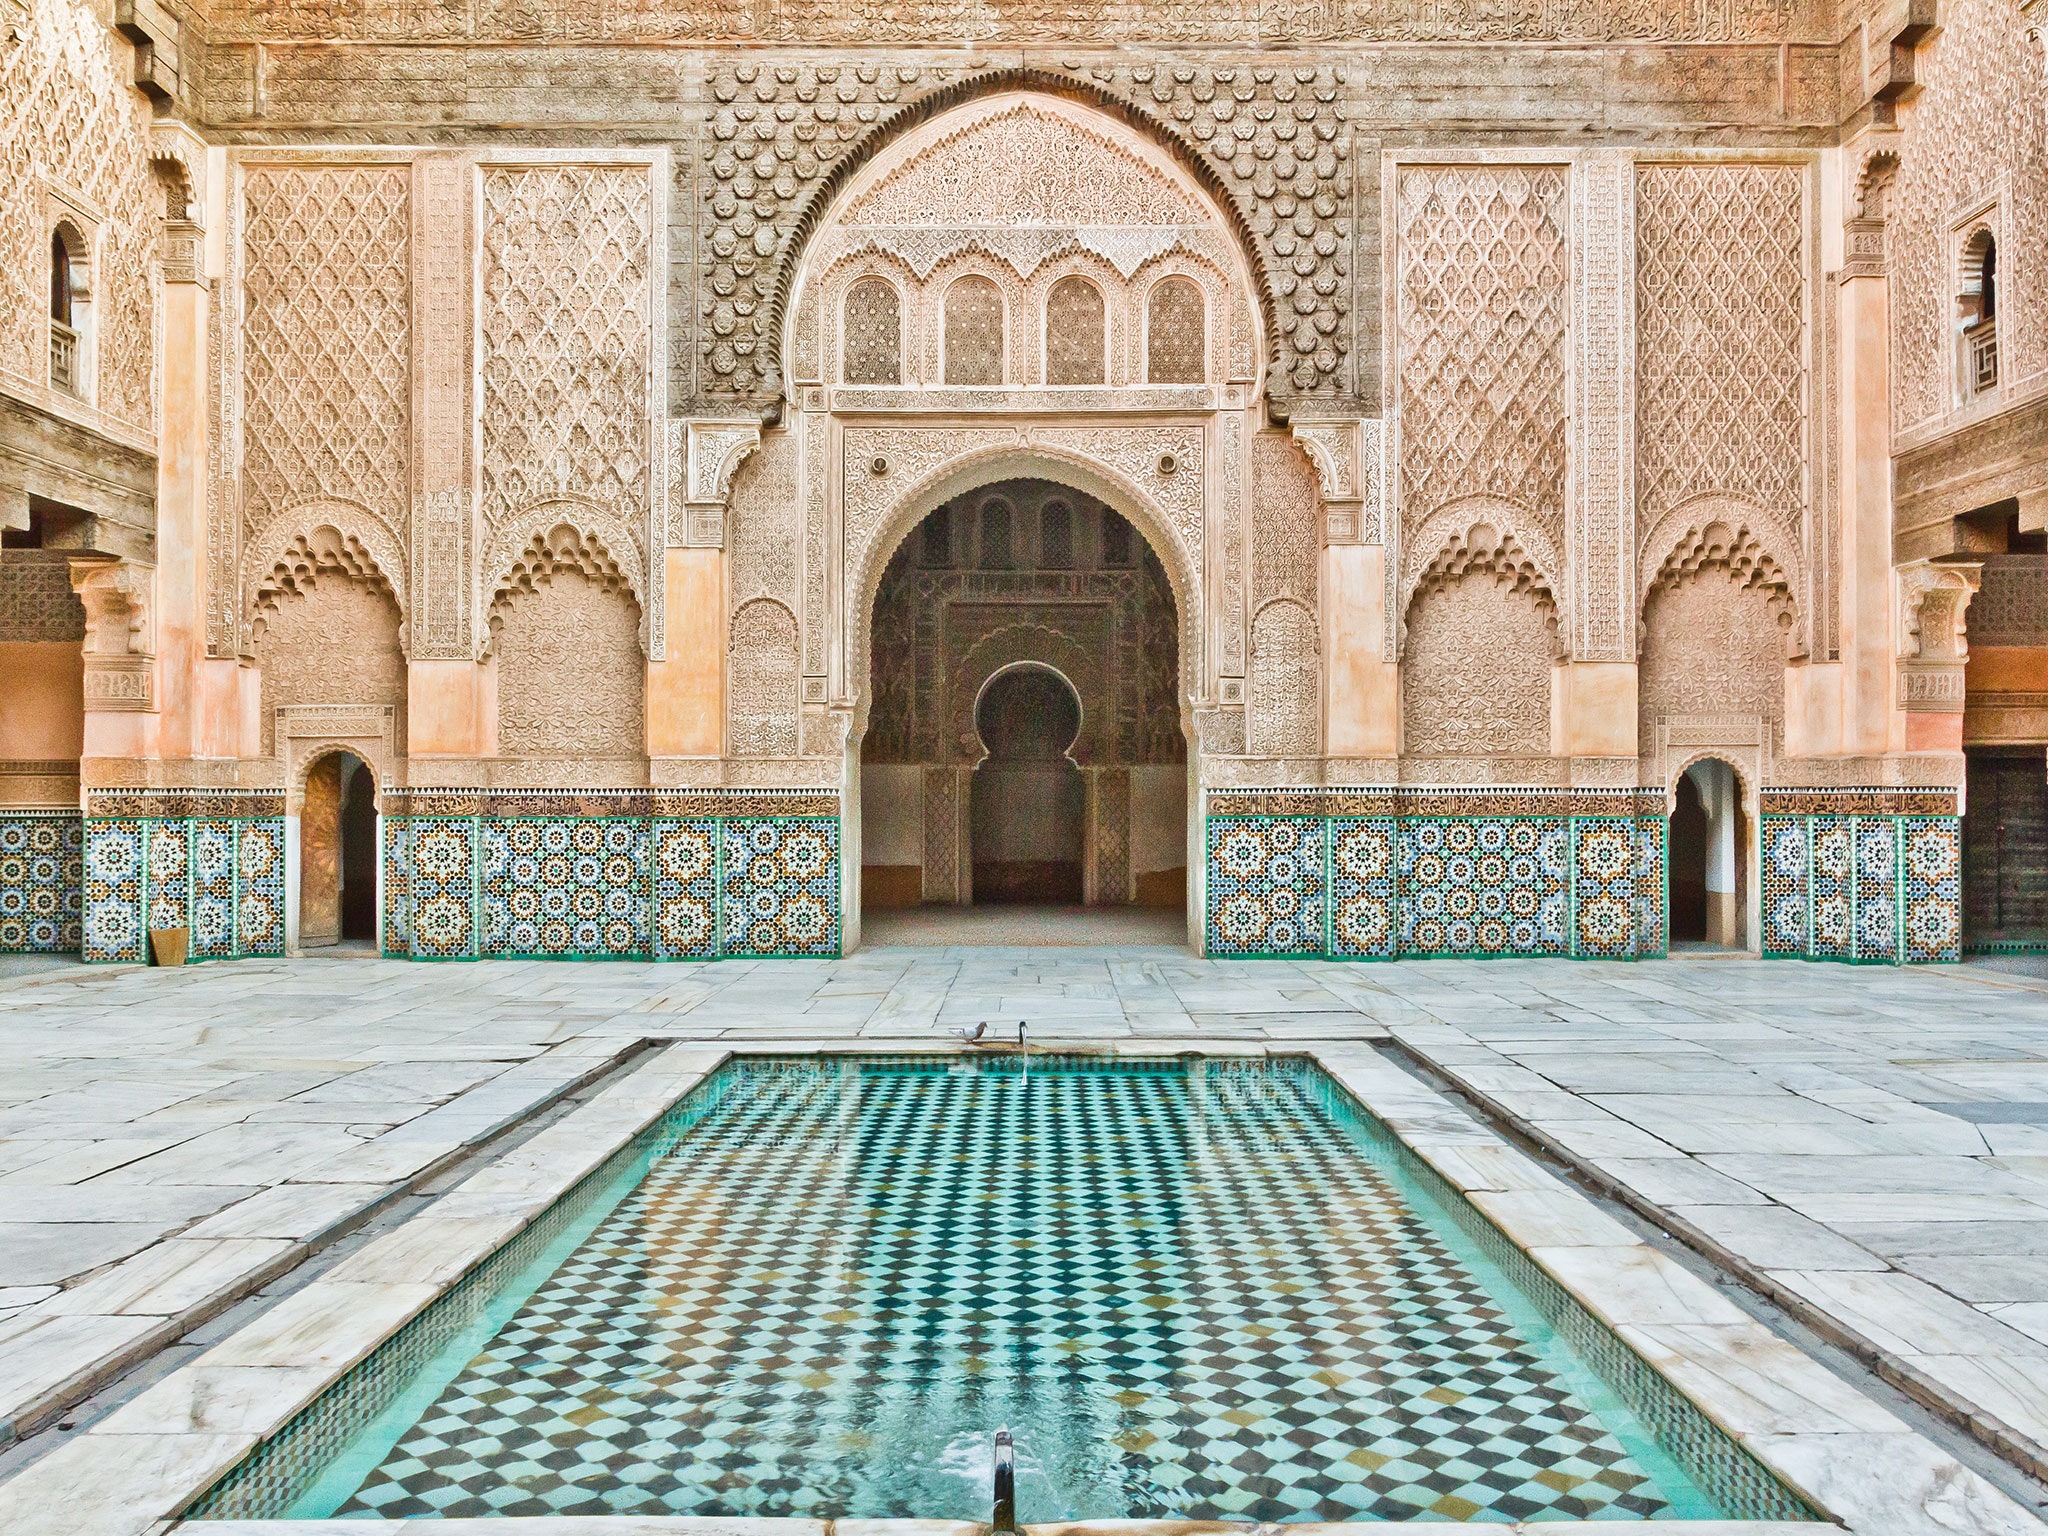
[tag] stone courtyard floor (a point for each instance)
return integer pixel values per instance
(1865, 1148)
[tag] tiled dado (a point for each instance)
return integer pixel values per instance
(1870, 877)
(637, 875)
(42, 882)
(210, 863)
(1382, 874)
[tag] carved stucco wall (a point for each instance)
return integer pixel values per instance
(1975, 138)
(762, 582)
(1724, 394)
(1712, 645)
(1284, 708)
(326, 355)
(1481, 305)
(1482, 636)
(329, 637)
(571, 675)
(74, 141)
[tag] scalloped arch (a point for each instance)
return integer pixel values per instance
(959, 93)
(362, 545)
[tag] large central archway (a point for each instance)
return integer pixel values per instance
(1023, 740)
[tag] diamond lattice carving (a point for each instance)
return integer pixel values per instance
(1175, 333)
(327, 380)
(1074, 332)
(69, 113)
(974, 332)
(1482, 273)
(1720, 300)
(874, 333)
(566, 327)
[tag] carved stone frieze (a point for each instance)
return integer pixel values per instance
(1600, 529)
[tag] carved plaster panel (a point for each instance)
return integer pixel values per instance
(1600, 534)
(1934, 600)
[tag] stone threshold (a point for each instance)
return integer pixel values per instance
(59, 1351)
(134, 1471)
(2022, 1450)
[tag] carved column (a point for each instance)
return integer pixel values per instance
(1598, 682)
(1934, 598)
(1864, 473)
(686, 688)
(1362, 709)
(121, 717)
(192, 724)
(450, 696)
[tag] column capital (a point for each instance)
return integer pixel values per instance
(1345, 454)
(703, 455)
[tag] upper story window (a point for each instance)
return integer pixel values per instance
(1074, 333)
(1977, 309)
(974, 332)
(68, 293)
(1056, 537)
(873, 334)
(1175, 343)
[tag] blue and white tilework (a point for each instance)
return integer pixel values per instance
(220, 877)
(1362, 889)
(1931, 849)
(1266, 887)
(1485, 885)
(779, 886)
(1787, 854)
(562, 886)
(1878, 889)
(42, 882)
(685, 888)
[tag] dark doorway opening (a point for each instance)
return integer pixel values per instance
(2005, 851)
(1027, 801)
(338, 854)
(358, 854)
(1708, 859)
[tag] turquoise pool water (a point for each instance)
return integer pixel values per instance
(1211, 1290)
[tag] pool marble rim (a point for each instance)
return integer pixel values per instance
(134, 1471)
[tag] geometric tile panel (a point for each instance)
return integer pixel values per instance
(114, 879)
(1276, 1329)
(562, 886)
(259, 887)
(397, 865)
(1786, 856)
(1362, 888)
(685, 860)
(1266, 884)
(1832, 877)
(1604, 857)
(1485, 885)
(221, 878)
(1652, 889)
(42, 882)
(1931, 860)
(1877, 888)
(579, 887)
(441, 871)
(779, 886)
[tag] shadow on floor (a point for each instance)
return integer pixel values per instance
(1026, 925)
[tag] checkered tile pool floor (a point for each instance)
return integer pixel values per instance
(1187, 1289)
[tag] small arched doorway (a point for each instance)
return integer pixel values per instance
(338, 854)
(1708, 859)
(1027, 803)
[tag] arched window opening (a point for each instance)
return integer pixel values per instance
(873, 337)
(68, 293)
(1175, 344)
(1056, 537)
(1074, 333)
(1977, 307)
(974, 332)
(996, 553)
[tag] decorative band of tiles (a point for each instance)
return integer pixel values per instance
(205, 804)
(612, 887)
(42, 882)
(1866, 801)
(644, 803)
(1865, 889)
(221, 877)
(1415, 886)
(1423, 800)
